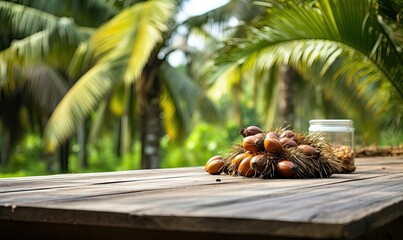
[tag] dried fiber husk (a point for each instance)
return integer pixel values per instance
(300, 164)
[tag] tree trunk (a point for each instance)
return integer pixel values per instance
(82, 142)
(287, 105)
(124, 140)
(125, 133)
(151, 126)
(118, 141)
(64, 157)
(5, 147)
(150, 134)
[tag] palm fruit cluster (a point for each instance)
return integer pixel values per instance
(280, 153)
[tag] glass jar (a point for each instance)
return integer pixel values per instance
(340, 134)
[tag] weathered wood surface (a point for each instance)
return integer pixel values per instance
(344, 206)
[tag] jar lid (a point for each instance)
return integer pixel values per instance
(331, 125)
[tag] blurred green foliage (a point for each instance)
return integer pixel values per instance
(27, 159)
(204, 142)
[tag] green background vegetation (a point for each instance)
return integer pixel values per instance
(94, 77)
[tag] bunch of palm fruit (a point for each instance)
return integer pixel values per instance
(280, 153)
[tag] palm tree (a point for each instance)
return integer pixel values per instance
(38, 40)
(128, 52)
(343, 48)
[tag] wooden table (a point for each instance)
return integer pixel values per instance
(187, 203)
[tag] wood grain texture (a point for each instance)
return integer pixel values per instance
(344, 206)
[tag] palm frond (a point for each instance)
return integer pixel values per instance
(227, 80)
(81, 60)
(28, 104)
(350, 81)
(53, 46)
(267, 93)
(21, 21)
(98, 121)
(132, 35)
(352, 25)
(333, 35)
(119, 99)
(85, 12)
(46, 86)
(176, 122)
(182, 100)
(77, 103)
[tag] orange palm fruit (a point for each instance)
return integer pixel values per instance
(273, 145)
(238, 158)
(215, 165)
(244, 168)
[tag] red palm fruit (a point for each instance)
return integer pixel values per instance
(258, 163)
(309, 150)
(284, 140)
(272, 135)
(215, 165)
(287, 142)
(289, 134)
(291, 143)
(286, 169)
(273, 145)
(249, 131)
(244, 168)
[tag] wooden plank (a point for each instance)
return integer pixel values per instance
(156, 185)
(82, 179)
(142, 187)
(74, 180)
(133, 182)
(343, 206)
(169, 203)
